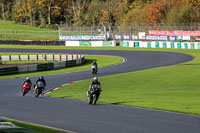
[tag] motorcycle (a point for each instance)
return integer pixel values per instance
(93, 95)
(94, 69)
(39, 87)
(25, 88)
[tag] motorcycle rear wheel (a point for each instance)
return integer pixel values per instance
(23, 93)
(95, 99)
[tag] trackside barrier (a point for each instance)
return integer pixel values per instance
(161, 44)
(45, 43)
(44, 57)
(91, 43)
(42, 67)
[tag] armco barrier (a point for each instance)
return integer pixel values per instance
(41, 67)
(8, 71)
(45, 67)
(161, 44)
(70, 63)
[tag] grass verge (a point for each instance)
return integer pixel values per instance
(34, 127)
(12, 31)
(102, 61)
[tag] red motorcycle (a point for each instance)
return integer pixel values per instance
(25, 88)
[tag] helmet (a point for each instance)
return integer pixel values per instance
(94, 61)
(27, 78)
(95, 79)
(41, 77)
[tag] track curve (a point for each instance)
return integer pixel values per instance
(78, 116)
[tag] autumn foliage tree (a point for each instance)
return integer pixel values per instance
(46, 13)
(156, 13)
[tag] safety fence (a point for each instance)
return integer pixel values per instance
(42, 67)
(38, 57)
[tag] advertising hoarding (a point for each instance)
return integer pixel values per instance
(81, 37)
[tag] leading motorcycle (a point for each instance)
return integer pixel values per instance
(93, 94)
(25, 88)
(94, 69)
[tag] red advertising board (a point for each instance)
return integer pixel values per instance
(170, 33)
(153, 32)
(186, 33)
(178, 32)
(174, 33)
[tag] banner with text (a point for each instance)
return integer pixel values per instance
(174, 33)
(81, 37)
(156, 38)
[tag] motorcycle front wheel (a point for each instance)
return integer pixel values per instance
(37, 93)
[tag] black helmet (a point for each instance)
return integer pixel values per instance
(41, 77)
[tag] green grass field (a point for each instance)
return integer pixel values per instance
(11, 31)
(103, 61)
(34, 127)
(10, 25)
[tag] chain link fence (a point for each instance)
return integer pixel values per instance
(81, 30)
(130, 29)
(134, 28)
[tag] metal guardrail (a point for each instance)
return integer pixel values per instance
(38, 57)
(41, 67)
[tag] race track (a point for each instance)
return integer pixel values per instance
(78, 116)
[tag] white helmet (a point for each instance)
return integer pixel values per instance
(27, 78)
(95, 79)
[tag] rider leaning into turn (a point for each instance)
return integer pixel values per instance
(27, 80)
(94, 64)
(42, 80)
(94, 82)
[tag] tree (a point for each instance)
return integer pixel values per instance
(182, 14)
(156, 13)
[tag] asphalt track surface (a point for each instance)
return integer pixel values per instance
(78, 116)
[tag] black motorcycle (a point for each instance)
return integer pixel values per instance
(39, 87)
(94, 69)
(93, 94)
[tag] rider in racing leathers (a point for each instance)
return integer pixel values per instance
(95, 64)
(95, 81)
(28, 80)
(42, 80)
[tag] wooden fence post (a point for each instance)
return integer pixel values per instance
(10, 58)
(37, 57)
(0, 60)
